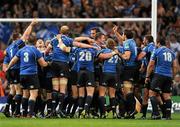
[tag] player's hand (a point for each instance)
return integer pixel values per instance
(147, 80)
(115, 28)
(34, 22)
(58, 36)
(116, 51)
(49, 63)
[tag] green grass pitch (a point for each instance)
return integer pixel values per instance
(16, 122)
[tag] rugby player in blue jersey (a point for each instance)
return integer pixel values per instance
(28, 57)
(109, 70)
(130, 68)
(145, 57)
(165, 67)
(60, 66)
(13, 74)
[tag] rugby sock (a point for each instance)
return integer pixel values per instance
(131, 102)
(75, 100)
(81, 104)
(71, 102)
(42, 107)
(144, 109)
(31, 105)
(61, 101)
(102, 102)
(163, 110)
(154, 105)
(54, 100)
(168, 105)
(49, 106)
(13, 106)
(113, 105)
(87, 103)
(9, 102)
(67, 100)
(18, 99)
(24, 106)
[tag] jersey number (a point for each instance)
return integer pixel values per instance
(26, 57)
(85, 56)
(113, 59)
(11, 53)
(167, 56)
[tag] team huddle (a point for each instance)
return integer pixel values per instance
(73, 77)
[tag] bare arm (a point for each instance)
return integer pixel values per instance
(42, 62)
(118, 35)
(126, 55)
(12, 62)
(107, 55)
(141, 55)
(174, 67)
(28, 31)
(150, 68)
(79, 39)
(4, 67)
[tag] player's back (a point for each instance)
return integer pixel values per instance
(58, 54)
(109, 65)
(130, 45)
(164, 60)
(85, 57)
(12, 50)
(28, 60)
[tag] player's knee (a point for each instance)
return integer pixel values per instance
(127, 87)
(63, 81)
(55, 82)
(25, 94)
(33, 94)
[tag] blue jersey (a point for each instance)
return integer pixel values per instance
(149, 50)
(58, 54)
(28, 56)
(73, 58)
(11, 52)
(85, 59)
(130, 45)
(110, 65)
(48, 70)
(164, 58)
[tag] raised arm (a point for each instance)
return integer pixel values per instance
(79, 39)
(64, 48)
(117, 34)
(28, 30)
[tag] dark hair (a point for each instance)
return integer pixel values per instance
(16, 36)
(94, 28)
(149, 38)
(161, 41)
(98, 35)
(128, 33)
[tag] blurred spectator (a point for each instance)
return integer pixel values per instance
(176, 85)
(168, 16)
(174, 45)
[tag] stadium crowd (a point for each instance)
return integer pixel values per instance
(106, 36)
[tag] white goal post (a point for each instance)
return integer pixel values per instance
(153, 19)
